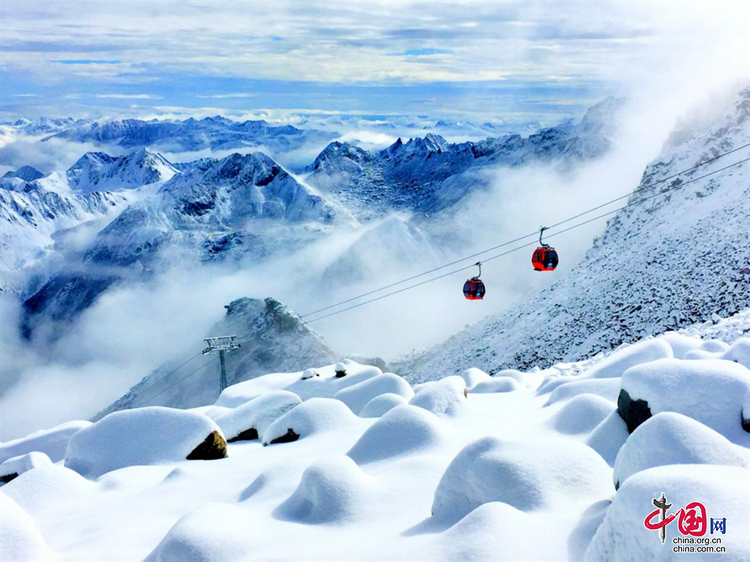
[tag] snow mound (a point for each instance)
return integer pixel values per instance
(710, 391)
(445, 396)
(20, 540)
(214, 531)
(144, 436)
(608, 437)
(582, 414)
(251, 420)
(333, 490)
(14, 467)
(496, 384)
(680, 343)
(606, 388)
(620, 361)
(36, 490)
(739, 352)
(404, 430)
(714, 346)
(357, 396)
(623, 535)
(316, 415)
(670, 438)
(52, 442)
(382, 404)
(528, 379)
(528, 476)
(474, 376)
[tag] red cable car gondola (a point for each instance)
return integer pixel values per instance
(545, 257)
(474, 288)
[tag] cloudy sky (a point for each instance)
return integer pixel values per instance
(516, 60)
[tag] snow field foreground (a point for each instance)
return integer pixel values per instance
(520, 466)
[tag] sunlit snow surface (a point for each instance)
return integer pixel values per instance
(521, 467)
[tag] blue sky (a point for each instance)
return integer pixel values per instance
(515, 61)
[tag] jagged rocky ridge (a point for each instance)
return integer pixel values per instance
(429, 174)
(273, 338)
(672, 261)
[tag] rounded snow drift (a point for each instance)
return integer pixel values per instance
(52, 442)
(332, 490)
(357, 396)
(446, 396)
(20, 539)
(606, 388)
(680, 343)
(402, 431)
(381, 405)
(623, 535)
(474, 376)
(14, 467)
(670, 438)
(251, 420)
(143, 436)
(496, 384)
(582, 414)
(312, 416)
(528, 476)
(623, 359)
(213, 531)
(608, 437)
(309, 374)
(739, 352)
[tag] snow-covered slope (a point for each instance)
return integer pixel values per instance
(544, 468)
(430, 174)
(272, 338)
(673, 260)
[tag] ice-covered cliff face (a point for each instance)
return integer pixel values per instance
(97, 171)
(671, 261)
(272, 338)
(429, 174)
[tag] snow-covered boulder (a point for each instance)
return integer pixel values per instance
(381, 405)
(20, 540)
(445, 396)
(474, 376)
(36, 490)
(213, 531)
(312, 416)
(623, 535)
(670, 438)
(739, 352)
(680, 343)
(714, 346)
(357, 396)
(251, 420)
(339, 370)
(308, 374)
(608, 388)
(622, 359)
(608, 437)
(405, 430)
(496, 384)
(144, 436)
(52, 442)
(527, 475)
(582, 414)
(332, 490)
(14, 467)
(710, 391)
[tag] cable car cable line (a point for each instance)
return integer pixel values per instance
(497, 256)
(560, 223)
(534, 234)
(517, 248)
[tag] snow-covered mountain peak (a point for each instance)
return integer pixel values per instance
(601, 117)
(25, 173)
(98, 171)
